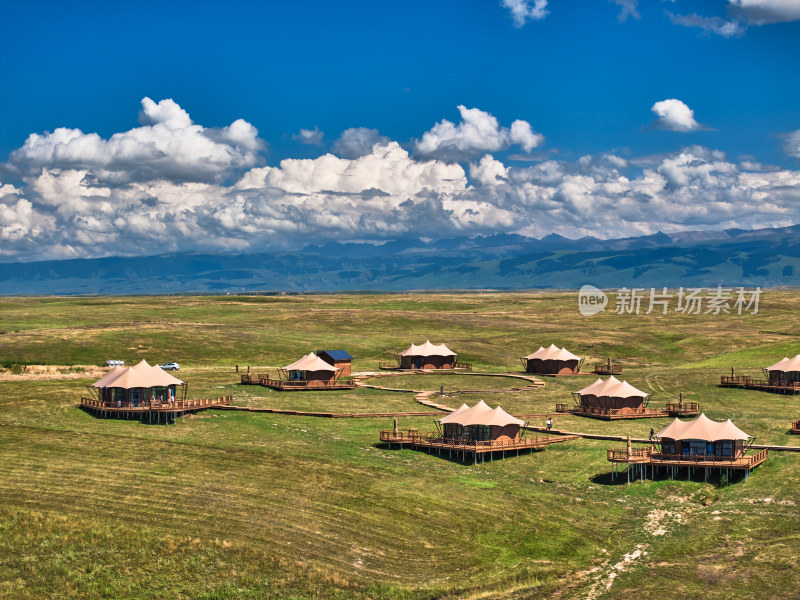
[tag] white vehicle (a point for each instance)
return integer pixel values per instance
(115, 363)
(171, 366)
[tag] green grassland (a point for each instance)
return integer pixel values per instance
(235, 505)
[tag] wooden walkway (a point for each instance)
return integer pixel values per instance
(673, 409)
(475, 449)
(295, 386)
(329, 415)
(651, 457)
(153, 411)
(747, 382)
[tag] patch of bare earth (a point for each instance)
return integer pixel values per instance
(45, 372)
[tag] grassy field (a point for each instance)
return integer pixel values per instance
(253, 505)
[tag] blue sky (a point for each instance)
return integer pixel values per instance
(695, 105)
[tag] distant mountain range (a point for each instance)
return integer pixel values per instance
(734, 257)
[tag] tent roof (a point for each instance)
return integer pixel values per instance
(110, 376)
(612, 387)
(336, 354)
(552, 352)
(786, 364)
(480, 414)
(427, 349)
(449, 418)
(310, 362)
(139, 375)
(702, 428)
(600, 386)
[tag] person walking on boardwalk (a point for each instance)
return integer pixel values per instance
(549, 423)
(652, 433)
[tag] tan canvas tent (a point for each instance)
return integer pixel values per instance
(427, 356)
(552, 361)
(784, 371)
(611, 395)
(704, 437)
(481, 423)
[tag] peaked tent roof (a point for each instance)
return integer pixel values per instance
(501, 418)
(480, 414)
(427, 349)
(612, 387)
(450, 418)
(599, 387)
(336, 354)
(552, 352)
(626, 390)
(159, 376)
(787, 364)
(110, 376)
(474, 415)
(140, 375)
(702, 428)
(310, 362)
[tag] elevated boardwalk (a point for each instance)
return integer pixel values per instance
(650, 456)
(296, 386)
(154, 411)
(473, 448)
(672, 409)
(747, 382)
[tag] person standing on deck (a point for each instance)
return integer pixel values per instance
(549, 423)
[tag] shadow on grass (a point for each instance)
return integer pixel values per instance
(457, 456)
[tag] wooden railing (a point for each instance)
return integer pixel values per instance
(413, 437)
(268, 381)
(650, 455)
(606, 369)
(463, 365)
(738, 380)
(609, 412)
(156, 404)
(562, 407)
(683, 408)
(747, 381)
(251, 378)
(796, 426)
(635, 454)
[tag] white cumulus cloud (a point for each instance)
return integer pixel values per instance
(358, 141)
(675, 115)
(477, 133)
(523, 11)
(312, 137)
(167, 145)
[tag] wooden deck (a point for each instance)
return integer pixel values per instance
(650, 456)
(747, 382)
(606, 369)
(393, 365)
(672, 409)
(296, 386)
(151, 411)
(433, 441)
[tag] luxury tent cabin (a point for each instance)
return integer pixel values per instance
(783, 378)
(613, 399)
(308, 373)
(552, 361)
(473, 430)
(138, 386)
(784, 372)
(427, 356)
(339, 359)
(480, 423)
(699, 443)
(127, 392)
